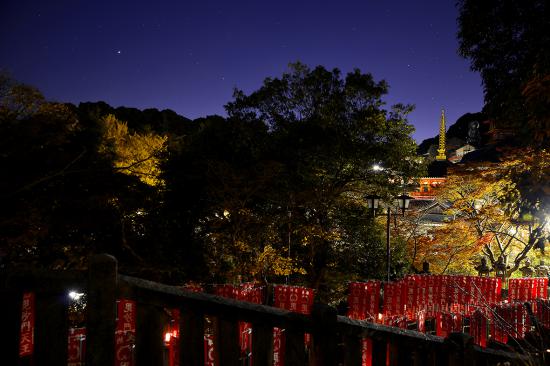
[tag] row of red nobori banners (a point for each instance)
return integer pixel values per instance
(437, 293)
(413, 298)
(76, 343)
(292, 298)
(124, 334)
(504, 321)
(525, 289)
(125, 338)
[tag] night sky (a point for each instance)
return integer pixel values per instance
(189, 55)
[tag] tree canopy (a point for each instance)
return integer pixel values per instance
(279, 173)
(509, 44)
(273, 192)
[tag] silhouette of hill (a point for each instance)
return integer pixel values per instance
(147, 120)
(457, 134)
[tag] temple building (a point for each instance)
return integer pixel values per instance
(432, 212)
(437, 169)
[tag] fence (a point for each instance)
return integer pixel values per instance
(336, 340)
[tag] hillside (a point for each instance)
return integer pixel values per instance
(457, 134)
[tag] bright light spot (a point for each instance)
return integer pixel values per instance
(226, 213)
(75, 295)
(377, 168)
(167, 337)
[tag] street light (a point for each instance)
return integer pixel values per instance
(403, 202)
(373, 201)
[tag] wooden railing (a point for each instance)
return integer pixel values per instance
(336, 340)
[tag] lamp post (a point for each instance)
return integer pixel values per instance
(373, 202)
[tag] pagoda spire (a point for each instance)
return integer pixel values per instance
(441, 151)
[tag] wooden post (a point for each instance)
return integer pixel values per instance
(352, 349)
(396, 352)
(324, 349)
(262, 344)
(460, 349)
(101, 310)
(10, 311)
(149, 336)
(295, 351)
(51, 329)
(405, 351)
(192, 338)
(379, 351)
(434, 355)
(228, 342)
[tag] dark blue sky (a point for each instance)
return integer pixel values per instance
(189, 55)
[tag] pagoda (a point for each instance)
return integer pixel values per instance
(441, 152)
(437, 169)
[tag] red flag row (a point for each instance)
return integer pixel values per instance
(440, 293)
(430, 293)
(364, 300)
(524, 289)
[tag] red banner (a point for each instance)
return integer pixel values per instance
(394, 303)
(446, 323)
(411, 288)
(76, 351)
(366, 352)
(500, 323)
(125, 333)
(293, 298)
(542, 311)
(172, 337)
(278, 347)
(478, 328)
(243, 292)
(209, 351)
(509, 320)
(421, 321)
(26, 335)
(363, 300)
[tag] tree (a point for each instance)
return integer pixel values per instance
(62, 197)
(132, 153)
(327, 132)
(17, 100)
(508, 43)
(490, 217)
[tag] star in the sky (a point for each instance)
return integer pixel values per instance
(118, 52)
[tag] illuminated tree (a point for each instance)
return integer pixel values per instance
(132, 153)
(490, 217)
